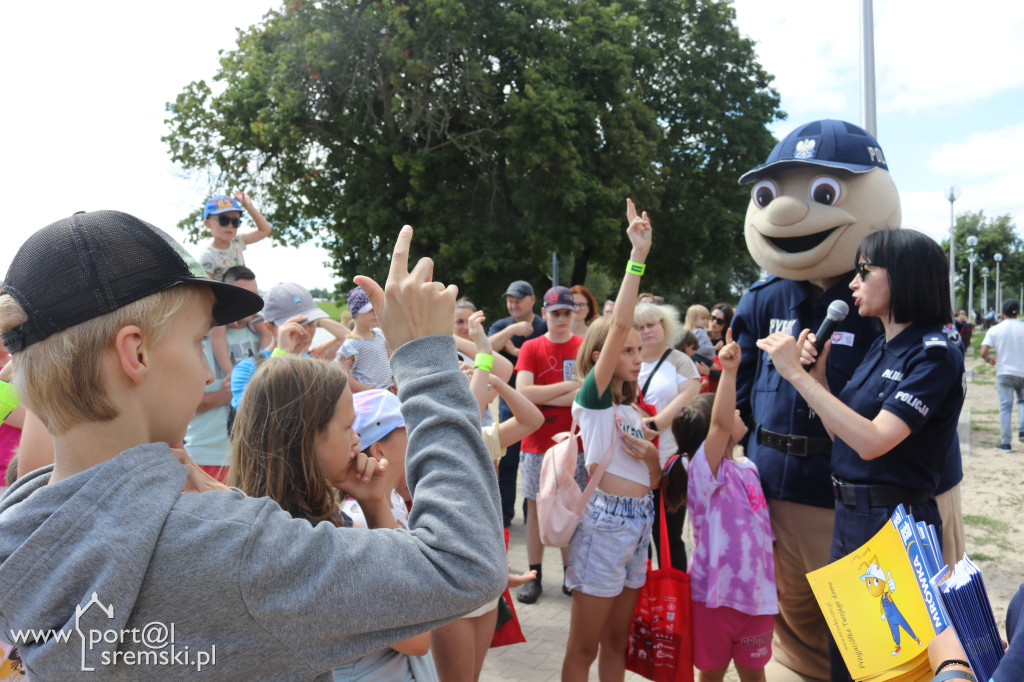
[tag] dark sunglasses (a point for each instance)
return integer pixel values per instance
(225, 221)
(718, 320)
(862, 269)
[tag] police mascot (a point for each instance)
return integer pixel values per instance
(821, 191)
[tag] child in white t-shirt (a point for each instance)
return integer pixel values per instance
(608, 552)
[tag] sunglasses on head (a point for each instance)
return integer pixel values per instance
(225, 221)
(862, 269)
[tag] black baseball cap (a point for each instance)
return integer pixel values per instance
(1011, 306)
(90, 264)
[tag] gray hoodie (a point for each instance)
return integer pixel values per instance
(137, 580)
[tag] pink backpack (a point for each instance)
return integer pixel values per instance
(560, 503)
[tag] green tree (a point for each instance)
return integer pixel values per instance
(501, 130)
(995, 235)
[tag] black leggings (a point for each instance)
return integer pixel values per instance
(674, 521)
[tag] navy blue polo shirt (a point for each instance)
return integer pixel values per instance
(768, 401)
(919, 377)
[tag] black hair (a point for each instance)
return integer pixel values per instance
(690, 428)
(689, 339)
(918, 274)
(237, 272)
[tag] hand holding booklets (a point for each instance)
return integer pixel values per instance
(883, 603)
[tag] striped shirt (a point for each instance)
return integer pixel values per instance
(370, 359)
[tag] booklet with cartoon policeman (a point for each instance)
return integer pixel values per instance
(881, 604)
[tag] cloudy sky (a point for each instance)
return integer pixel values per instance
(86, 84)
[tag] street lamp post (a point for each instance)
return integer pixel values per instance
(972, 241)
(999, 291)
(952, 193)
(985, 271)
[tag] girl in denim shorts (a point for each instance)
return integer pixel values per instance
(732, 574)
(608, 553)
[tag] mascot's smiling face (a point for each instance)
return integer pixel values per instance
(823, 189)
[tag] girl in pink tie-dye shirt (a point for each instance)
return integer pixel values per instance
(732, 575)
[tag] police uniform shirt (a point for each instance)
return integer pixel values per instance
(767, 400)
(919, 377)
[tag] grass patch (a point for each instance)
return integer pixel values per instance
(981, 556)
(331, 308)
(989, 540)
(983, 383)
(995, 411)
(986, 523)
(984, 368)
(983, 426)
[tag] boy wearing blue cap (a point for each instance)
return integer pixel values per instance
(222, 215)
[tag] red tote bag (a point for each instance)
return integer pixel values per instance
(661, 635)
(508, 632)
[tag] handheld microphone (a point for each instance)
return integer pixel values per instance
(837, 312)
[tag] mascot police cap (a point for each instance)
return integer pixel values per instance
(829, 143)
(823, 189)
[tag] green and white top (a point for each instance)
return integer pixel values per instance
(600, 421)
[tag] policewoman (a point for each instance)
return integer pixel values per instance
(894, 422)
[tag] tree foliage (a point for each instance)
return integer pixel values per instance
(501, 130)
(995, 235)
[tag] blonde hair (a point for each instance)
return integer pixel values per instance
(666, 314)
(289, 401)
(61, 378)
(692, 313)
(597, 334)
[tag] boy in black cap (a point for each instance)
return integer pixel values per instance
(106, 565)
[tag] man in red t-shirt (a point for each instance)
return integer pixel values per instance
(546, 375)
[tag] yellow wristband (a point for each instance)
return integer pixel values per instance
(278, 352)
(8, 400)
(484, 361)
(634, 268)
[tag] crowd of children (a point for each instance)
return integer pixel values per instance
(387, 430)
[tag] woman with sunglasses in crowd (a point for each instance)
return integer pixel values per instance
(721, 318)
(894, 423)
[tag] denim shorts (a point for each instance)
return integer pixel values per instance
(609, 549)
(530, 464)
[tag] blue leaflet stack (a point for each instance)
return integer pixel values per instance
(965, 600)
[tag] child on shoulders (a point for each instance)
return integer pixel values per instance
(364, 353)
(222, 216)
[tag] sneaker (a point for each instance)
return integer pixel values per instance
(1005, 447)
(530, 592)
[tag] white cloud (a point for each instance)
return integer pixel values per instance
(982, 154)
(928, 54)
(941, 52)
(86, 109)
(814, 68)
